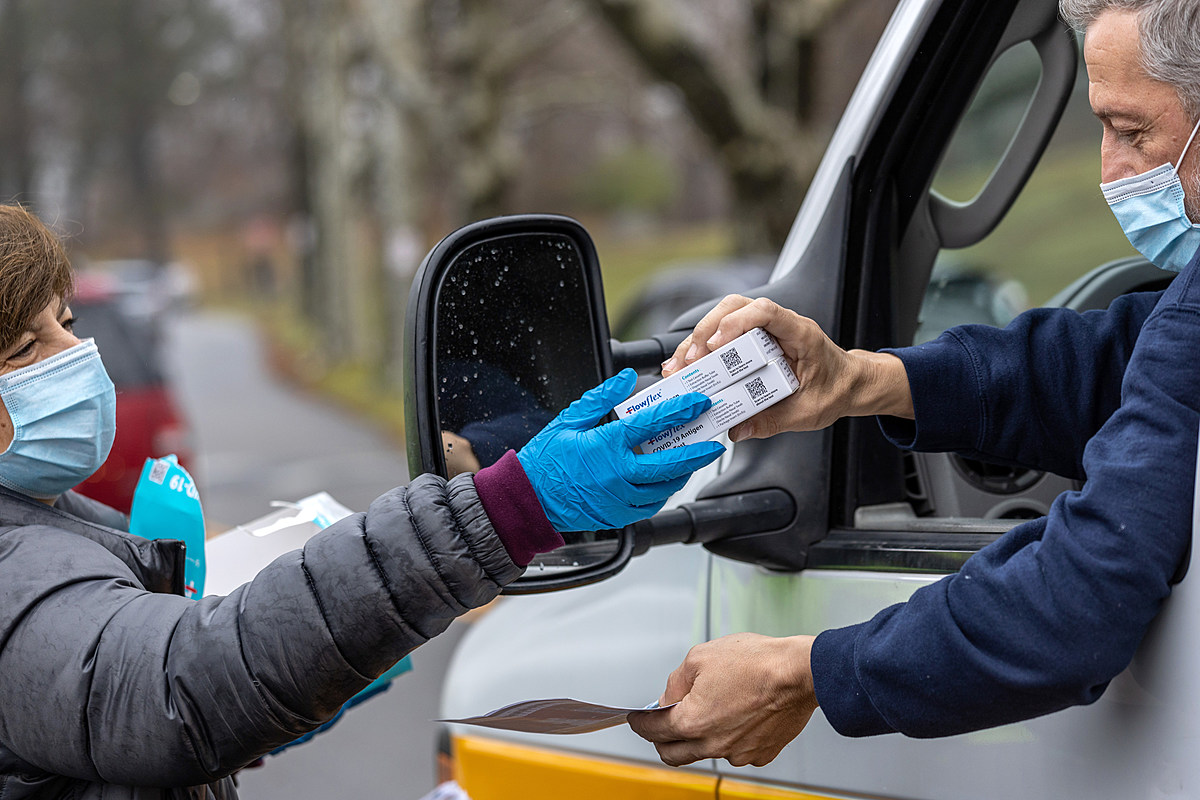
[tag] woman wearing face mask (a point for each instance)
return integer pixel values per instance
(113, 685)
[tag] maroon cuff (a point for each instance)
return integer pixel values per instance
(514, 509)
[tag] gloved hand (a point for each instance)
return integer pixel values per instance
(589, 478)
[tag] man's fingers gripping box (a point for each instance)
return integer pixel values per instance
(744, 377)
(733, 404)
(720, 368)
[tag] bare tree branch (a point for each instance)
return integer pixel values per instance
(722, 105)
(519, 43)
(769, 154)
(392, 32)
(811, 17)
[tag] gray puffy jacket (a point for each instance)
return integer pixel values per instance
(113, 685)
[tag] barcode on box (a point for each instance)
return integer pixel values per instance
(762, 389)
(711, 374)
(732, 359)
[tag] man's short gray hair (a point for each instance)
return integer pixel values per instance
(1170, 39)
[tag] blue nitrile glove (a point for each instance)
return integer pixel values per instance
(590, 479)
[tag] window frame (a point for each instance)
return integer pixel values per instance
(892, 246)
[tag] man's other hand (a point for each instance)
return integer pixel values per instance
(742, 697)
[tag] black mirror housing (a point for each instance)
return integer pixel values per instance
(506, 326)
(513, 294)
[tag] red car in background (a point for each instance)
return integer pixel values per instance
(149, 424)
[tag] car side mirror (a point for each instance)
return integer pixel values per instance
(506, 326)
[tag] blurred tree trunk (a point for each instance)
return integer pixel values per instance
(758, 120)
(329, 181)
(363, 164)
(349, 143)
(109, 67)
(480, 72)
(452, 111)
(16, 156)
(396, 33)
(141, 102)
(296, 49)
(454, 82)
(485, 51)
(145, 183)
(435, 153)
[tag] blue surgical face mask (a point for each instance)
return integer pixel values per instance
(1150, 209)
(63, 411)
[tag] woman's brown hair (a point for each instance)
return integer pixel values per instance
(34, 271)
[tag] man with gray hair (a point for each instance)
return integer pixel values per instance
(1047, 615)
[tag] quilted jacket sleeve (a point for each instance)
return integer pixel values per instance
(102, 680)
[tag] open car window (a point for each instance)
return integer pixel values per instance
(1058, 229)
(984, 247)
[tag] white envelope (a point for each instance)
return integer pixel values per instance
(236, 556)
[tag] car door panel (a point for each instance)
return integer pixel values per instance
(1137, 740)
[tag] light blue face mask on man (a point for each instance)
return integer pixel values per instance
(63, 412)
(1150, 209)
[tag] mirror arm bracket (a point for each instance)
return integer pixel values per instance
(716, 518)
(645, 355)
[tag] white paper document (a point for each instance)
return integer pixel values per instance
(236, 556)
(556, 715)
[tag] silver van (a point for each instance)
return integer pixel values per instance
(966, 164)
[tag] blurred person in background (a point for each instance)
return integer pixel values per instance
(447, 787)
(113, 685)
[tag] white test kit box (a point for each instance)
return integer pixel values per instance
(722, 367)
(733, 404)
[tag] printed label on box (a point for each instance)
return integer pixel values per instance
(719, 369)
(760, 390)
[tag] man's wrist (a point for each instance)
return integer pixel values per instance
(799, 668)
(879, 386)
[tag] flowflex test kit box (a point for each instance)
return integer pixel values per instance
(743, 377)
(709, 375)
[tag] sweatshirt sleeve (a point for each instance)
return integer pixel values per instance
(103, 680)
(1046, 616)
(514, 509)
(1031, 394)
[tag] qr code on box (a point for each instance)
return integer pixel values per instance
(756, 388)
(159, 471)
(732, 359)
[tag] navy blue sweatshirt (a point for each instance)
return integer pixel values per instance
(1047, 615)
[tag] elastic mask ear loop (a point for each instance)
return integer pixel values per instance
(1179, 163)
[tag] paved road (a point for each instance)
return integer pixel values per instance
(257, 440)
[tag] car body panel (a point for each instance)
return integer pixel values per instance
(613, 642)
(491, 769)
(500, 770)
(1080, 752)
